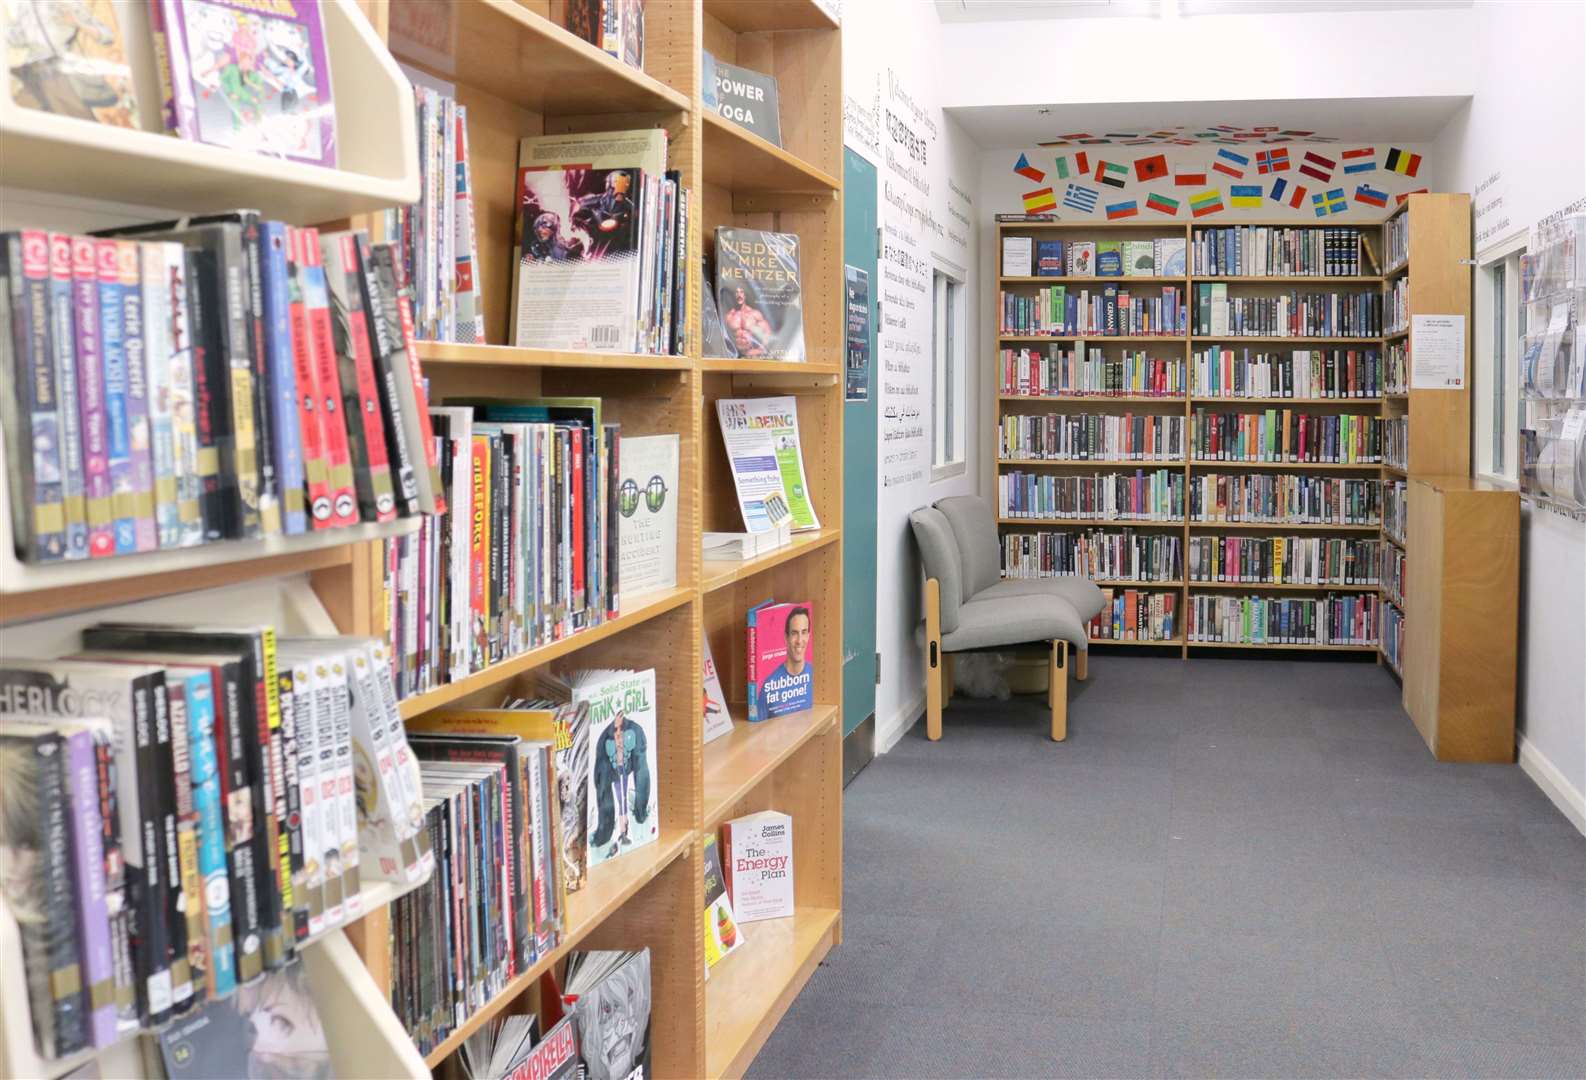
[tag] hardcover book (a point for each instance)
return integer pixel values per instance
(1139, 258)
(757, 284)
(781, 659)
(746, 97)
(647, 502)
(70, 59)
(758, 854)
(246, 75)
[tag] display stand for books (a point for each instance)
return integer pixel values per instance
(1179, 346)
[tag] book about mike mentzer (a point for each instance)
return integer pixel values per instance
(781, 656)
(757, 284)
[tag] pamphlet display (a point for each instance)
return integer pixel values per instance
(762, 440)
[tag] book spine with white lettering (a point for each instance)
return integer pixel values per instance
(91, 397)
(63, 348)
(160, 358)
(29, 403)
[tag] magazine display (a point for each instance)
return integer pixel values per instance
(762, 440)
(717, 720)
(596, 229)
(247, 76)
(758, 292)
(269, 1030)
(647, 500)
(609, 997)
(781, 644)
(70, 59)
(722, 934)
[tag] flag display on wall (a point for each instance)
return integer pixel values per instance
(1122, 210)
(1369, 195)
(1317, 167)
(1329, 202)
(1151, 168)
(1363, 160)
(1110, 174)
(1283, 192)
(1039, 201)
(1189, 179)
(1245, 196)
(1271, 161)
(1161, 204)
(1080, 198)
(1231, 163)
(1028, 171)
(1402, 162)
(1206, 202)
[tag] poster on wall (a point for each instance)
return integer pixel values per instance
(856, 292)
(1437, 352)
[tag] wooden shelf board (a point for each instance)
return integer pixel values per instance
(510, 356)
(1269, 645)
(1176, 339)
(1170, 643)
(761, 16)
(1059, 279)
(1281, 526)
(1127, 523)
(646, 607)
(1395, 271)
(1199, 400)
(1397, 334)
(607, 888)
(735, 763)
(515, 54)
(1289, 279)
(1098, 399)
(737, 366)
(749, 991)
(1289, 340)
(1322, 465)
(1128, 583)
(744, 163)
(718, 573)
(1395, 541)
(1179, 464)
(1268, 586)
(1394, 470)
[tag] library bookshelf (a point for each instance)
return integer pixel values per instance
(1182, 347)
(520, 73)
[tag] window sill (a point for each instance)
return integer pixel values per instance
(948, 471)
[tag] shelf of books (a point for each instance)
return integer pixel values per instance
(503, 355)
(1186, 414)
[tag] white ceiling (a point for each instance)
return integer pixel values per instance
(1407, 119)
(1000, 10)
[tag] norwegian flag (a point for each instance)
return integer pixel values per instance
(1271, 161)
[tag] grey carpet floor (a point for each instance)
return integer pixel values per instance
(1231, 868)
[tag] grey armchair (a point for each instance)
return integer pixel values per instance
(968, 607)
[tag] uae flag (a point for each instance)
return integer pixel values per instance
(1111, 175)
(1402, 162)
(1151, 168)
(1161, 204)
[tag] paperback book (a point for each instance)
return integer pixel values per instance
(757, 852)
(608, 995)
(70, 59)
(757, 285)
(722, 935)
(647, 504)
(761, 436)
(781, 659)
(746, 97)
(717, 720)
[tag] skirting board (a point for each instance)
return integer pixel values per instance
(888, 734)
(859, 748)
(1543, 773)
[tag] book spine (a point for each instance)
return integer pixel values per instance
(237, 800)
(290, 706)
(275, 306)
(218, 513)
(267, 689)
(384, 340)
(177, 106)
(80, 765)
(113, 869)
(328, 795)
(183, 386)
(478, 546)
(133, 342)
(419, 416)
(250, 255)
(232, 317)
(327, 378)
(63, 348)
(204, 778)
(360, 398)
(346, 791)
(189, 879)
(311, 891)
(151, 946)
(315, 464)
(159, 358)
(753, 683)
(35, 440)
(91, 397)
(169, 854)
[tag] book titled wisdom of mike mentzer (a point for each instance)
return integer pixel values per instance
(757, 286)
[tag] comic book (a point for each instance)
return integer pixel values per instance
(70, 58)
(249, 76)
(757, 285)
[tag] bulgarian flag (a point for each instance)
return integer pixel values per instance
(1161, 204)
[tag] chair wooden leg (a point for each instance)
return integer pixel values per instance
(1057, 689)
(1081, 664)
(933, 659)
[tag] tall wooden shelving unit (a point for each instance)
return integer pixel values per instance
(1181, 346)
(520, 73)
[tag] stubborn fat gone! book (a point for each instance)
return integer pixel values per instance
(781, 659)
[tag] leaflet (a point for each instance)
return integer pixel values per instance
(762, 440)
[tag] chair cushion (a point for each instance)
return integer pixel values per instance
(939, 554)
(1082, 594)
(979, 548)
(1014, 620)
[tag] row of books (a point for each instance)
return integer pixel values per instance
(1157, 495)
(526, 551)
(600, 244)
(1289, 314)
(1095, 553)
(1023, 256)
(1397, 315)
(613, 26)
(1075, 373)
(1302, 373)
(1271, 251)
(436, 236)
(217, 378)
(1396, 367)
(241, 75)
(1396, 441)
(1280, 435)
(748, 878)
(1092, 437)
(1392, 573)
(1135, 615)
(1392, 630)
(1278, 560)
(1396, 509)
(189, 800)
(1349, 619)
(1398, 245)
(1279, 499)
(1110, 311)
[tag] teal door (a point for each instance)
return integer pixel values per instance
(859, 448)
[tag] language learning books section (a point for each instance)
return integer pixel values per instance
(1213, 422)
(550, 337)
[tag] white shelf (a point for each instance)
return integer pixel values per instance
(376, 142)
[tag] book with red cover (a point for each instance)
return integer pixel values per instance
(360, 392)
(327, 378)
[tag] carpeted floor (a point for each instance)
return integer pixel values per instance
(1231, 868)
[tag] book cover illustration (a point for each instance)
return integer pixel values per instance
(717, 720)
(624, 800)
(757, 284)
(249, 76)
(69, 57)
(647, 503)
(267, 1029)
(610, 997)
(781, 660)
(722, 935)
(577, 265)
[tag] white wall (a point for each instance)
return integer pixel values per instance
(890, 94)
(1522, 142)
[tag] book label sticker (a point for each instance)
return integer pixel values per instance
(1437, 352)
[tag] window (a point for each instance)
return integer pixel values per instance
(947, 375)
(1497, 376)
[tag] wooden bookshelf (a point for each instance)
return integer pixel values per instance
(1181, 346)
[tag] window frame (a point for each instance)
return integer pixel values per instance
(949, 344)
(1490, 365)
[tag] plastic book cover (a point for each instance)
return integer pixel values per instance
(624, 795)
(722, 935)
(267, 1029)
(1082, 258)
(717, 343)
(781, 659)
(249, 76)
(578, 257)
(758, 292)
(70, 58)
(1170, 257)
(647, 509)
(1109, 258)
(1139, 258)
